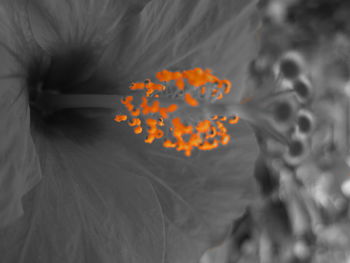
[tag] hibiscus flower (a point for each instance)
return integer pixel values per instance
(77, 187)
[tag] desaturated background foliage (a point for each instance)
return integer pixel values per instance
(75, 187)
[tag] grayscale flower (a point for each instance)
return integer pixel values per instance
(74, 186)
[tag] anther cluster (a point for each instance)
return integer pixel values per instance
(161, 110)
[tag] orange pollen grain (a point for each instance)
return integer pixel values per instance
(214, 92)
(212, 133)
(225, 139)
(206, 146)
(234, 120)
(171, 108)
(195, 139)
(129, 107)
(154, 108)
(164, 75)
(163, 113)
(135, 112)
(228, 86)
(120, 118)
(150, 139)
(159, 134)
(180, 84)
(220, 96)
(137, 86)
(151, 122)
(190, 100)
(220, 125)
(134, 122)
(169, 144)
(127, 100)
(203, 126)
(138, 130)
(161, 122)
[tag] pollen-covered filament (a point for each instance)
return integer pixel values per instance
(177, 110)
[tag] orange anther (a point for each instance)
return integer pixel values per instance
(219, 124)
(177, 123)
(203, 126)
(149, 92)
(215, 144)
(195, 139)
(152, 130)
(198, 71)
(214, 92)
(225, 139)
(223, 118)
(163, 112)
(208, 146)
(144, 106)
(215, 117)
(169, 144)
(146, 110)
(150, 138)
(203, 90)
(154, 107)
(160, 87)
(233, 120)
(127, 100)
(183, 146)
(210, 77)
(212, 133)
(177, 134)
(161, 122)
(120, 118)
(144, 102)
(220, 96)
(138, 130)
(222, 131)
(204, 146)
(134, 122)
(188, 152)
(155, 87)
(187, 129)
(137, 86)
(164, 75)
(135, 112)
(171, 108)
(190, 100)
(129, 107)
(177, 75)
(227, 86)
(180, 127)
(180, 84)
(151, 122)
(159, 134)
(197, 82)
